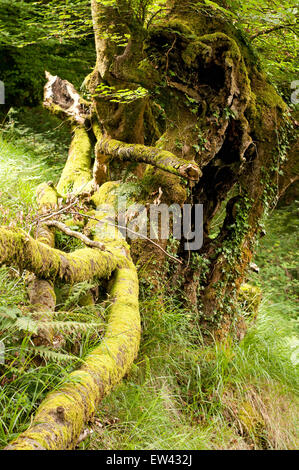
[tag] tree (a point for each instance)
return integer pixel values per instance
(177, 111)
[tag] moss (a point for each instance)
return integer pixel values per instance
(46, 196)
(266, 95)
(17, 248)
(162, 159)
(251, 419)
(106, 194)
(250, 298)
(192, 51)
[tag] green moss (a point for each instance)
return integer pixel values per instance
(47, 196)
(60, 418)
(251, 419)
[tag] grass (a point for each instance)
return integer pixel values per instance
(28, 157)
(180, 394)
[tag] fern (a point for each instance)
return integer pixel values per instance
(77, 291)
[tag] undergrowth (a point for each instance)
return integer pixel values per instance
(30, 153)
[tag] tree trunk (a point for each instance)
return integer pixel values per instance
(201, 125)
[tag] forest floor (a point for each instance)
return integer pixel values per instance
(179, 393)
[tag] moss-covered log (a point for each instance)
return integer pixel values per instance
(18, 248)
(59, 420)
(77, 172)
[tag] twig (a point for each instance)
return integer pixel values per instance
(52, 214)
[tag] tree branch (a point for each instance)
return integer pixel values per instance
(72, 233)
(62, 99)
(16, 247)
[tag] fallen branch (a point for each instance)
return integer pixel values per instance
(16, 247)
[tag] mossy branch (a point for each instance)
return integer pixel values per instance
(17, 247)
(77, 171)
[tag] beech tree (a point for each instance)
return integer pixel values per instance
(179, 104)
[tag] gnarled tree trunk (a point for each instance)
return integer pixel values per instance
(202, 125)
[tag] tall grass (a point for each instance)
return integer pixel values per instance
(30, 153)
(183, 395)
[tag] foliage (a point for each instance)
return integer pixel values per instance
(25, 23)
(39, 36)
(30, 371)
